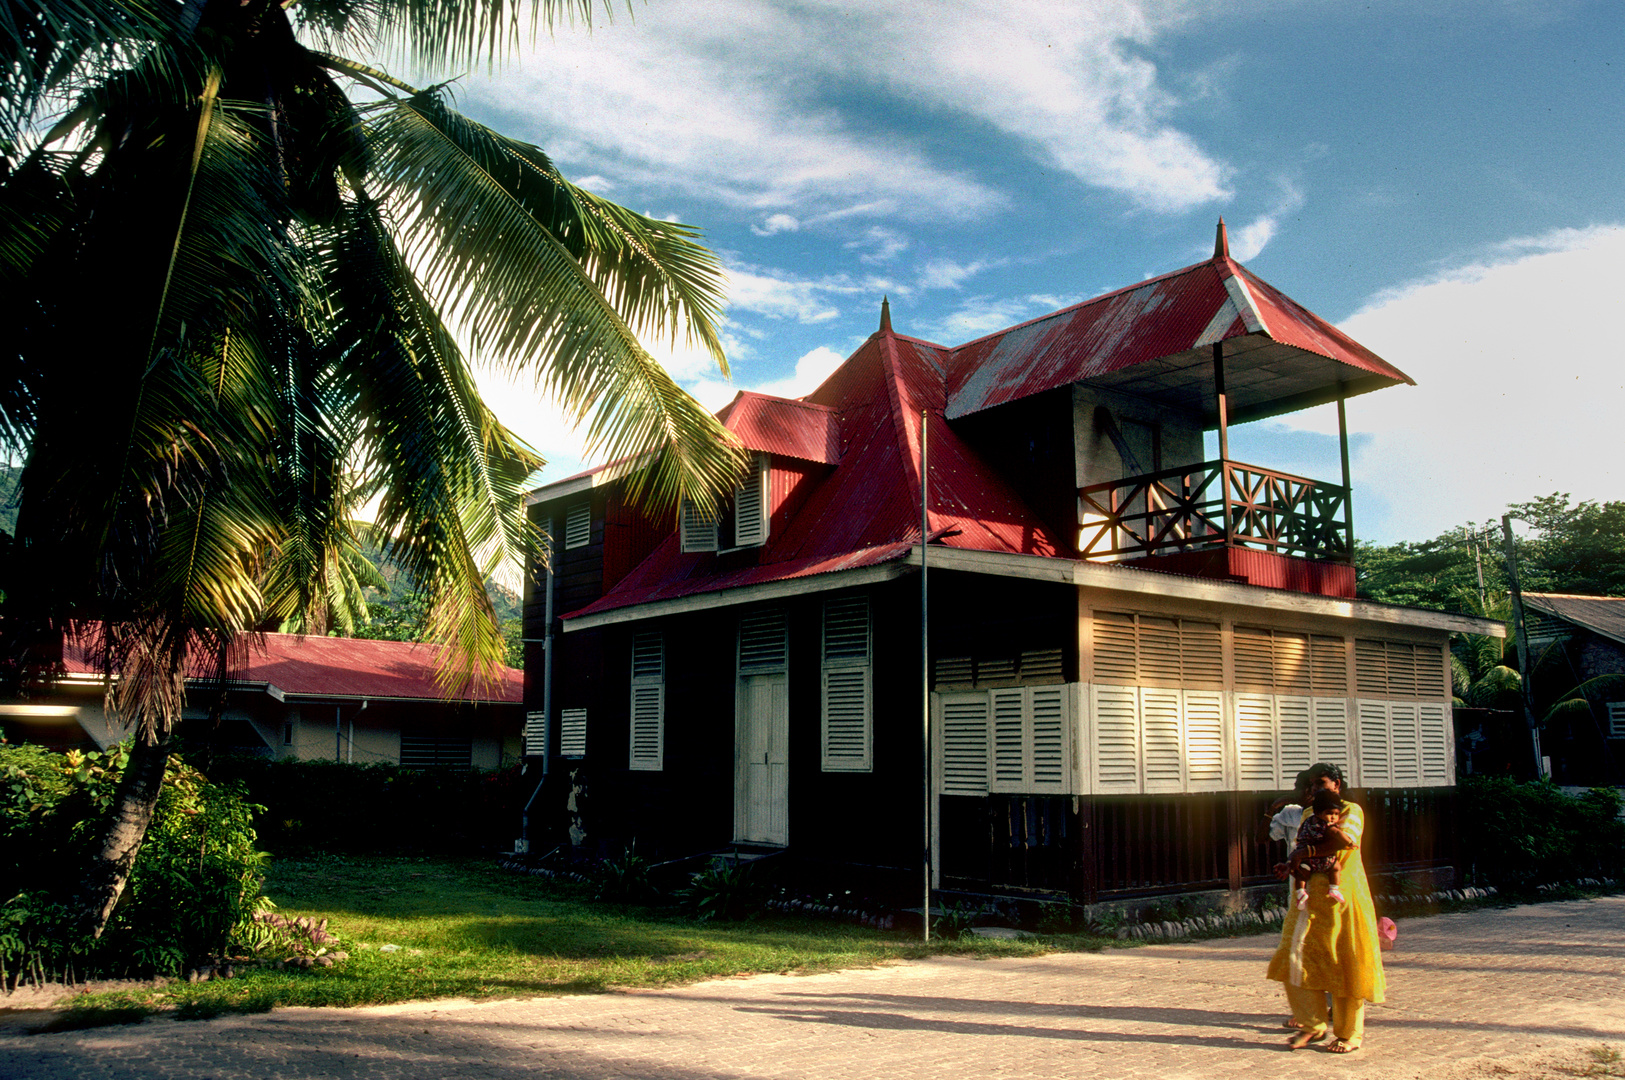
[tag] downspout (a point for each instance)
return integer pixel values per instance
(547, 687)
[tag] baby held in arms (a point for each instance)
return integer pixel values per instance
(1319, 825)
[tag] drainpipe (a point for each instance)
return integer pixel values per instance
(547, 685)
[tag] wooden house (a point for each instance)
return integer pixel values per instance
(1130, 649)
(1586, 750)
(325, 698)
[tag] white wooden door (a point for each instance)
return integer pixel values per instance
(762, 776)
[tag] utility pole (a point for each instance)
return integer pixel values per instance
(925, 672)
(1523, 644)
(1478, 564)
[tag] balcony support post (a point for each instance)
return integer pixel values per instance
(1223, 404)
(1348, 487)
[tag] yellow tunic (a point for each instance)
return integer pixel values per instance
(1333, 947)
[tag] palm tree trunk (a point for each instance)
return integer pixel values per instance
(133, 807)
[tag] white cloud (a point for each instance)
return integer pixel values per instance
(878, 244)
(947, 274)
(1520, 386)
(745, 109)
(980, 315)
(1247, 241)
(776, 223)
(811, 370)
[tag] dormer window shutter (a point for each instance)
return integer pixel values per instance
(848, 695)
(698, 528)
(578, 526)
(648, 735)
(751, 506)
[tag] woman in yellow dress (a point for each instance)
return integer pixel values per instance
(1331, 948)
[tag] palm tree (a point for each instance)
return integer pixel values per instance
(234, 264)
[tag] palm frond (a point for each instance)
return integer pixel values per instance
(545, 278)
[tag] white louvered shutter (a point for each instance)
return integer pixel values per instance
(751, 506)
(1114, 649)
(1256, 768)
(1159, 651)
(1204, 740)
(1375, 757)
(1295, 732)
(1050, 717)
(847, 727)
(698, 528)
(1405, 764)
(964, 740)
(1114, 728)
(536, 733)
(1370, 668)
(1329, 669)
(648, 737)
(573, 733)
(578, 526)
(1009, 739)
(1433, 721)
(1401, 669)
(1163, 743)
(763, 645)
(1332, 731)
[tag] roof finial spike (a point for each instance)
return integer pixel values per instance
(885, 316)
(1221, 243)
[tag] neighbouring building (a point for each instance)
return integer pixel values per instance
(344, 699)
(1131, 647)
(1577, 639)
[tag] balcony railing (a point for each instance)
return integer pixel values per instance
(1214, 504)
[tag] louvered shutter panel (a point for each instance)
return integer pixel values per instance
(762, 644)
(1401, 669)
(1370, 668)
(1290, 656)
(1431, 683)
(648, 736)
(1115, 739)
(1159, 651)
(1047, 707)
(847, 704)
(536, 733)
(698, 528)
(1405, 765)
(1204, 740)
(1375, 759)
(1201, 655)
(1039, 664)
(996, 669)
(573, 733)
(1329, 669)
(1009, 739)
(1332, 731)
(964, 744)
(1255, 661)
(956, 671)
(751, 506)
(1114, 655)
(1296, 733)
(1255, 742)
(578, 526)
(1162, 744)
(1434, 724)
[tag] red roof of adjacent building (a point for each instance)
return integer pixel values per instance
(864, 421)
(333, 667)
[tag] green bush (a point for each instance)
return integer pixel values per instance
(723, 892)
(1521, 835)
(330, 806)
(193, 888)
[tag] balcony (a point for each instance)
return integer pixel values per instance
(1215, 505)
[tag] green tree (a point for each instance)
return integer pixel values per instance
(234, 262)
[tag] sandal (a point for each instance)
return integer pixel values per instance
(1344, 1046)
(1304, 1037)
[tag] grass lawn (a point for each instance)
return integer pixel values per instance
(466, 929)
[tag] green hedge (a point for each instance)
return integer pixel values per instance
(195, 883)
(309, 806)
(1518, 836)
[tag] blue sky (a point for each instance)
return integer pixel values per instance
(1444, 180)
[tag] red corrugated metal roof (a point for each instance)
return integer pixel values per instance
(865, 420)
(774, 425)
(334, 667)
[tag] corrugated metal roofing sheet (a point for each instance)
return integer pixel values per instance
(1603, 614)
(773, 425)
(334, 667)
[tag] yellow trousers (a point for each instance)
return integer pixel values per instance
(1309, 1010)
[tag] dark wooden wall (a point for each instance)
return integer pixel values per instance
(1030, 442)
